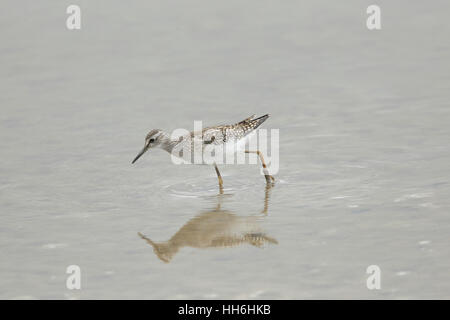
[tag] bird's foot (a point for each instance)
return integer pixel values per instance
(270, 179)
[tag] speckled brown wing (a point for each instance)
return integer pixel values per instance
(224, 133)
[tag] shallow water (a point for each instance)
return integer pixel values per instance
(364, 157)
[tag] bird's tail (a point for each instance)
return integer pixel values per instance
(260, 120)
(254, 123)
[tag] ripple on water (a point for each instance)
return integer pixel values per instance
(208, 187)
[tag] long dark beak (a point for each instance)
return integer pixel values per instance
(140, 154)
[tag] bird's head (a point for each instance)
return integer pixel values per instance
(152, 140)
(163, 250)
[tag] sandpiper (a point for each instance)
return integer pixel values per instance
(230, 137)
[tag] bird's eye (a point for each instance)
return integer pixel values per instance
(152, 140)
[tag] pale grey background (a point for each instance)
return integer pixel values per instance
(364, 156)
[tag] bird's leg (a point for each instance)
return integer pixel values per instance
(220, 178)
(266, 198)
(269, 178)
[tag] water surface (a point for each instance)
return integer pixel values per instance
(364, 171)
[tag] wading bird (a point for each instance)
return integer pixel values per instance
(229, 138)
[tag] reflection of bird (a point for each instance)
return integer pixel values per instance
(214, 229)
(194, 145)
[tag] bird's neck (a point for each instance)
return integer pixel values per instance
(167, 143)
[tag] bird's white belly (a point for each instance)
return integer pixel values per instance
(232, 147)
(197, 152)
